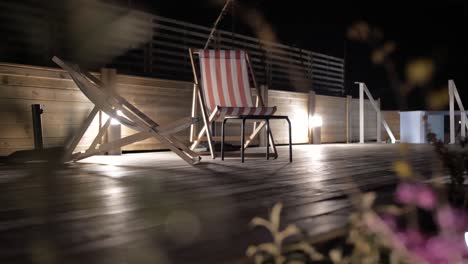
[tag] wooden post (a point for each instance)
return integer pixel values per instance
(361, 113)
(379, 123)
(194, 127)
(349, 99)
(452, 113)
(311, 111)
(114, 132)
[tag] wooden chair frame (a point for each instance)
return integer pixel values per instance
(109, 102)
(200, 101)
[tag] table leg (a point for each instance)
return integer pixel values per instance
(268, 138)
(222, 138)
(290, 140)
(242, 139)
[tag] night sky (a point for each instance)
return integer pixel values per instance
(420, 29)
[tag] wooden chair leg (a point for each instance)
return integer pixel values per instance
(205, 129)
(254, 133)
(71, 145)
(273, 144)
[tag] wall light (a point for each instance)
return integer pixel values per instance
(466, 238)
(316, 121)
(115, 121)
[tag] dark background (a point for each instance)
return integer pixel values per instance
(421, 29)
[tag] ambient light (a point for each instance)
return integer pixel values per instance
(316, 121)
(466, 238)
(115, 121)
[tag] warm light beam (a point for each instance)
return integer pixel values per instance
(316, 121)
(115, 121)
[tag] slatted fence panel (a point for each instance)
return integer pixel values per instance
(333, 112)
(370, 121)
(295, 106)
(95, 34)
(65, 107)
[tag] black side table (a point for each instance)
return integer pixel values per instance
(268, 131)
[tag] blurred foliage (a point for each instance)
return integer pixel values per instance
(420, 226)
(418, 72)
(277, 251)
(455, 160)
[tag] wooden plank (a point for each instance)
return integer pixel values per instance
(115, 200)
(35, 93)
(36, 81)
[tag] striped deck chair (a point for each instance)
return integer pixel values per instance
(225, 92)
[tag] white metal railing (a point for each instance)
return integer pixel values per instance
(453, 93)
(380, 121)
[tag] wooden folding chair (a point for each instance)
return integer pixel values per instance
(225, 92)
(109, 102)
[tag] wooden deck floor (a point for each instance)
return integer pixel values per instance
(153, 208)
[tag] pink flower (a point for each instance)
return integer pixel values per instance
(412, 238)
(452, 219)
(405, 193)
(436, 249)
(426, 198)
(445, 249)
(389, 220)
(416, 194)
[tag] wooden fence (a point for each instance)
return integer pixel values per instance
(95, 35)
(65, 107)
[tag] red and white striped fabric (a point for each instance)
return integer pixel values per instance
(225, 81)
(221, 112)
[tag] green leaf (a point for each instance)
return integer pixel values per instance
(251, 251)
(275, 216)
(290, 230)
(306, 248)
(336, 255)
(258, 221)
(392, 209)
(367, 200)
(269, 248)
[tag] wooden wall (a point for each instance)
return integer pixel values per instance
(333, 112)
(162, 100)
(65, 107)
(370, 121)
(295, 106)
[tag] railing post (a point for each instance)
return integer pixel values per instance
(379, 123)
(463, 124)
(361, 112)
(349, 99)
(452, 112)
(311, 112)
